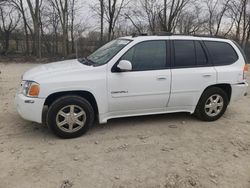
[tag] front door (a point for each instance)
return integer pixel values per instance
(145, 89)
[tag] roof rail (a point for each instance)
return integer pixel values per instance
(164, 33)
(210, 36)
(139, 34)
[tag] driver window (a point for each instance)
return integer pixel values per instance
(149, 55)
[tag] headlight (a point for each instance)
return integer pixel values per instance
(30, 88)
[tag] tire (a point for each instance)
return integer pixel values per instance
(207, 105)
(70, 116)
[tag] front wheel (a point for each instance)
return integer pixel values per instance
(212, 105)
(70, 116)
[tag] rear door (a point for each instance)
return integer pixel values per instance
(192, 72)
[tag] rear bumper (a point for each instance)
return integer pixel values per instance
(239, 91)
(29, 108)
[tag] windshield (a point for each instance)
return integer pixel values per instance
(107, 52)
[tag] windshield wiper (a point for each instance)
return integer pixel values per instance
(86, 61)
(90, 62)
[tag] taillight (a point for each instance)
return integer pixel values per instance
(245, 72)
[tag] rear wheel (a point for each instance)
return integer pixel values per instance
(70, 116)
(212, 105)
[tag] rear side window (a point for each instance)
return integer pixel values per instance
(201, 57)
(189, 53)
(184, 53)
(222, 53)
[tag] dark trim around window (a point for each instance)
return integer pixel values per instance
(209, 62)
(168, 57)
(224, 64)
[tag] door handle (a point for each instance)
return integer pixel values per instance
(207, 75)
(161, 77)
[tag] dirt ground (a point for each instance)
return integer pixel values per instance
(174, 150)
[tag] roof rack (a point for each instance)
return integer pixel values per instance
(139, 34)
(163, 33)
(195, 35)
(210, 36)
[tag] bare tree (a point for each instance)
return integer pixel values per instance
(239, 11)
(102, 20)
(19, 5)
(62, 9)
(191, 22)
(72, 19)
(163, 15)
(9, 19)
(216, 12)
(112, 10)
(35, 13)
(245, 24)
(220, 15)
(54, 22)
(98, 9)
(236, 13)
(53, 25)
(170, 13)
(151, 8)
(137, 23)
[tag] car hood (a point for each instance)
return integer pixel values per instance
(53, 70)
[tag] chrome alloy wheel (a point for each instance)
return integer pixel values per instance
(214, 105)
(71, 118)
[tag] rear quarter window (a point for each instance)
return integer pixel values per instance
(222, 53)
(242, 51)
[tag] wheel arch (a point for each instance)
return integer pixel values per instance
(84, 94)
(227, 88)
(199, 107)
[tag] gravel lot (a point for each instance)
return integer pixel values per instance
(174, 150)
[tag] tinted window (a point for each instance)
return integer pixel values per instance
(201, 58)
(222, 53)
(149, 55)
(242, 51)
(184, 53)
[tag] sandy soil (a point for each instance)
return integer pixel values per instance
(174, 150)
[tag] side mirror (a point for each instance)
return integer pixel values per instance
(124, 66)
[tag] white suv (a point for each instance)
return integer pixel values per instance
(134, 76)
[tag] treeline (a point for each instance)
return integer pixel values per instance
(62, 28)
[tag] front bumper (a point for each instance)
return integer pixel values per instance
(239, 91)
(29, 108)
